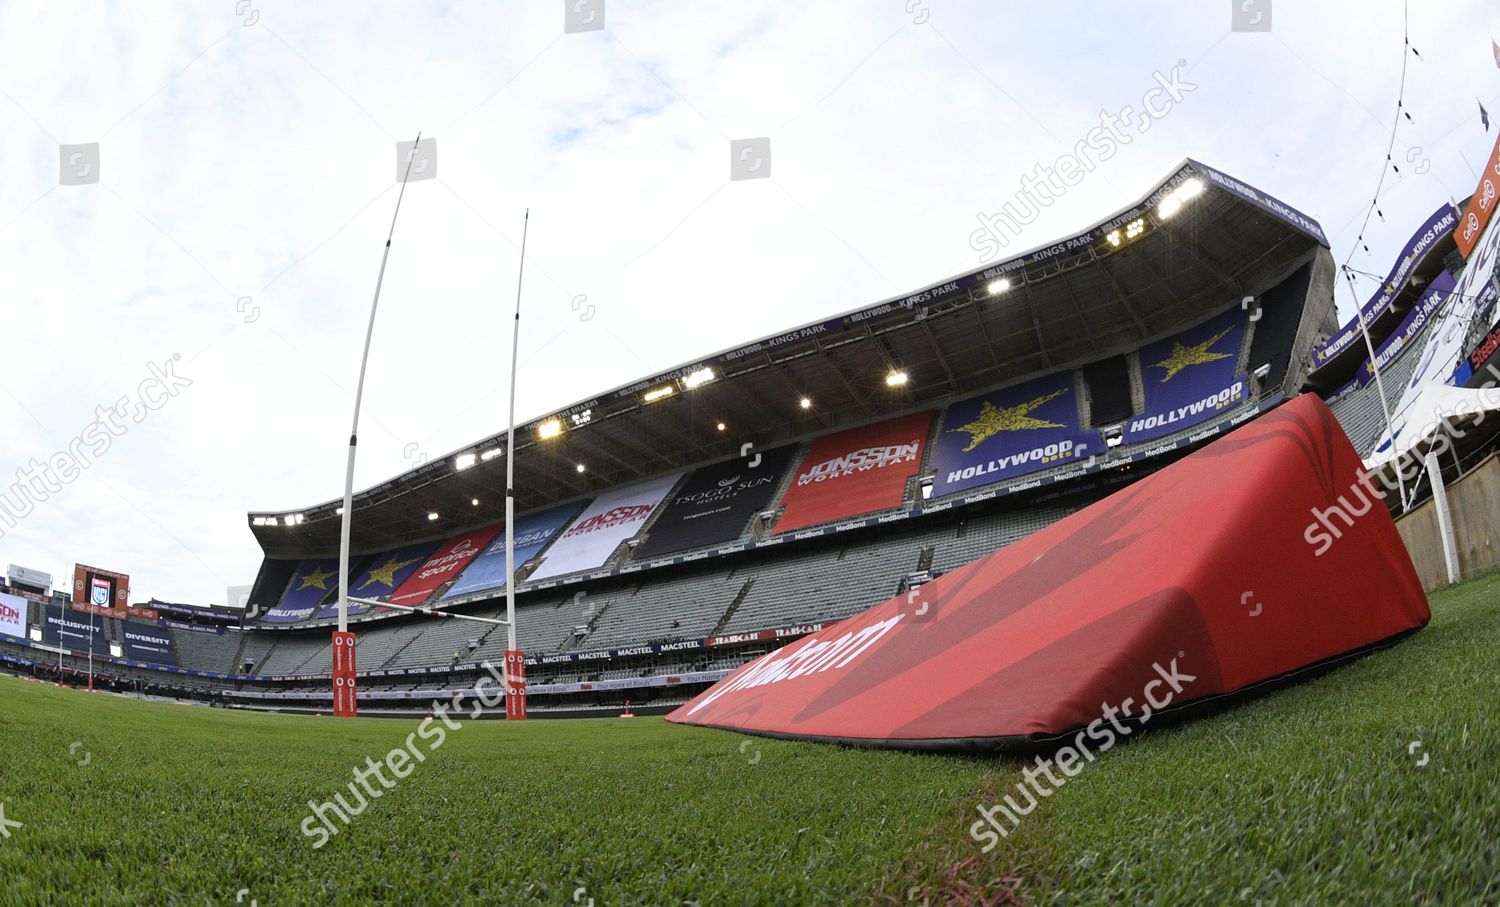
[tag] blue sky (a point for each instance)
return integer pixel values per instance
(257, 160)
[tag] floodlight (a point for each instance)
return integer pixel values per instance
(549, 429)
(701, 376)
(465, 460)
(996, 287)
(896, 378)
(658, 393)
(432, 516)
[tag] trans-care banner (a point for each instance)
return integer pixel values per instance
(384, 575)
(603, 525)
(1191, 378)
(309, 583)
(75, 631)
(1011, 432)
(853, 472)
(716, 502)
(533, 532)
(144, 642)
(12, 615)
(444, 565)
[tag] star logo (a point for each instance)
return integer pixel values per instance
(317, 579)
(385, 574)
(992, 421)
(1184, 356)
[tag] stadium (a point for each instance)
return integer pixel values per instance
(1014, 491)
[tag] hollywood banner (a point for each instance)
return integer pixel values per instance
(854, 472)
(384, 575)
(533, 532)
(144, 642)
(716, 503)
(445, 563)
(603, 525)
(1191, 377)
(74, 631)
(1011, 432)
(309, 583)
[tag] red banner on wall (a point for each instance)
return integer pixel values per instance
(855, 472)
(443, 566)
(345, 687)
(1481, 207)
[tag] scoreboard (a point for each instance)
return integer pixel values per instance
(102, 592)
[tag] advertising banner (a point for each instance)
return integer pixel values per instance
(533, 532)
(1433, 298)
(444, 565)
(145, 642)
(311, 581)
(854, 472)
(1191, 377)
(384, 575)
(717, 502)
(1439, 225)
(1481, 207)
(1011, 432)
(74, 632)
(345, 675)
(12, 615)
(603, 525)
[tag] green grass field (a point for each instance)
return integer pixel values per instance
(1305, 796)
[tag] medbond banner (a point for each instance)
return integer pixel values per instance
(1010, 432)
(716, 503)
(854, 472)
(533, 532)
(603, 525)
(1191, 377)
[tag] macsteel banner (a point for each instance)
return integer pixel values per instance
(12, 615)
(444, 565)
(309, 583)
(1437, 226)
(74, 632)
(1482, 206)
(600, 529)
(1011, 432)
(384, 575)
(147, 643)
(1191, 377)
(533, 532)
(854, 472)
(716, 502)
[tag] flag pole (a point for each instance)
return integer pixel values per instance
(515, 664)
(359, 392)
(1385, 406)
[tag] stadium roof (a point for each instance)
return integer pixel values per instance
(1198, 240)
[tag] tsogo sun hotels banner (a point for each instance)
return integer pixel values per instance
(600, 529)
(1011, 432)
(853, 472)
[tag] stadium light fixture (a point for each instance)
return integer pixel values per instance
(432, 516)
(549, 429)
(805, 403)
(896, 378)
(658, 393)
(465, 460)
(701, 376)
(490, 454)
(996, 287)
(474, 502)
(293, 519)
(721, 426)
(581, 468)
(1189, 190)
(583, 418)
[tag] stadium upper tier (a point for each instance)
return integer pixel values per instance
(1189, 311)
(1195, 243)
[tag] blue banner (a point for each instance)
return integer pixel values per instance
(1011, 432)
(75, 630)
(1191, 377)
(387, 571)
(312, 580)
(533, 532)
(147, 642)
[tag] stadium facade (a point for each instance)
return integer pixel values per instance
(745, 499)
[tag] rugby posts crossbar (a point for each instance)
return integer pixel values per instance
(380, 604)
